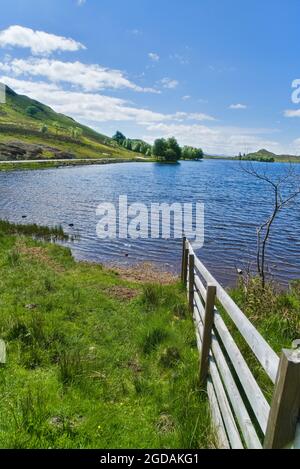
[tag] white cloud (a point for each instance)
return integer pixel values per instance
(169, 83)
(214, 140)
(92, 107)
(87, 77)
(292, 113)
(238, 106)
(153, 56)
(39, 42)
(81, 2)
(186, 97)
(297, 143)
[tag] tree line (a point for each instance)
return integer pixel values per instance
(162, 149)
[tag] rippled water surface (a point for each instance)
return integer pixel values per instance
(234, 205)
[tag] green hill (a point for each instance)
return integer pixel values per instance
(268, 156)
(31, 130)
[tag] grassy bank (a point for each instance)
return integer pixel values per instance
(33, 165)
(94, 361)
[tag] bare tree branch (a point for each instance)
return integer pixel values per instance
(285, 188)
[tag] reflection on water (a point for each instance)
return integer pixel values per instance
(234, 205)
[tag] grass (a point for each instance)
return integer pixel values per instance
(40, 232)
(90, 366)
(275, 313)
(17, 125)
(30, 166)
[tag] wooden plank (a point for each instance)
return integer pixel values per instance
(200, 287)
(262, 350)
(2, 352)
(284, 415)
(198, 324)
(199, 328)
(238, 404)
(244, 420)
(216, 417)
(199, 305)
(191, 281)
(199, 343)
(229, 422)
(207, 335)
(253, 392)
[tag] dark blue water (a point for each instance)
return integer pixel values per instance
(234, 205)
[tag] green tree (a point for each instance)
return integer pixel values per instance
(173, 145)
(127, 144)
(186, 153)
(171, 155)
(137, 147)
(119, 137)
(32, 111)
(159, 148)
(191, 153)
(198, 154)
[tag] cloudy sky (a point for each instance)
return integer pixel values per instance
(215, 74)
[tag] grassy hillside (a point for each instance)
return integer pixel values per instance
(265, 155)
(93, 360)
(25, 120)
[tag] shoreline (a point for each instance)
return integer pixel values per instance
(32, 165)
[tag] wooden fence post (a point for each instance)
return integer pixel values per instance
(191, 281)
(184, 260)
(207, 332)
(284, 413)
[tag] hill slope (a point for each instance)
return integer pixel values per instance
(268, 155)
(31, 130)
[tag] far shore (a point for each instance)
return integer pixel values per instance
(30, 165)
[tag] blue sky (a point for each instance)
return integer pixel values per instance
(214, 73)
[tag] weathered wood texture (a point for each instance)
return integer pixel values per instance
(238, 404)
(207, 333)
(284, 414)
(262, 350)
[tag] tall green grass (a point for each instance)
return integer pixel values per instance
(88, 368)
(42, 232)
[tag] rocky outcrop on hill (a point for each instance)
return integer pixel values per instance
(16, 150)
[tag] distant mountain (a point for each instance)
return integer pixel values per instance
(43, 133)
(264, 154)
